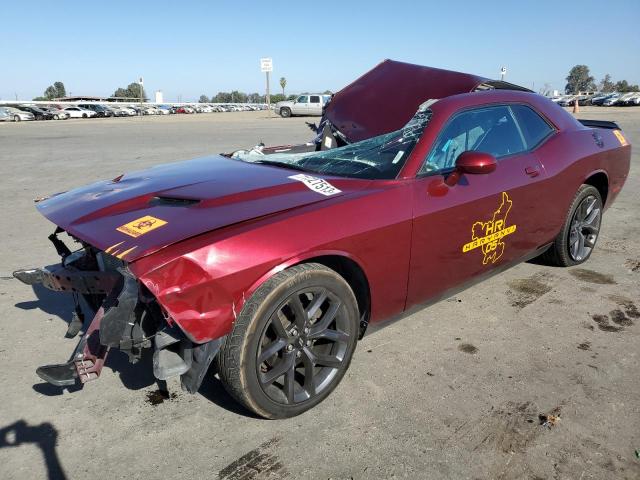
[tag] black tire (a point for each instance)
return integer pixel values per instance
(16, 118)
(563, 251)
(268, 327)
(285, 112)
(84, 115)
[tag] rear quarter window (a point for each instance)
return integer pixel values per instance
(534, 128)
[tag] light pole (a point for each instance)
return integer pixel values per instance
(141, 94)
(503, 72)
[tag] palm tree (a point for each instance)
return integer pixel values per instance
(283, 83)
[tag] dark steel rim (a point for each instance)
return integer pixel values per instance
(303, 346)
(585, 226)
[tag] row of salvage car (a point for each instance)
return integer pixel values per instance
(616, 99)
(27, 111)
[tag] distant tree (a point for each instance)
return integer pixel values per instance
(292, 97)
(606, 84)
(327, 92)
(238, 97)
(203, 99)
(278, 97)
(134, 91)
(579, 80)
(222, 97)
(59, 86)
(56, 90)
(40, 99)
(283, 83)
(546, 90)
(623, 86)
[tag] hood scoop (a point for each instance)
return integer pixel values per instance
(163, 201)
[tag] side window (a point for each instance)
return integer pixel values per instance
(303, 99)
(314, 99)
(489, 129)
(534, 127)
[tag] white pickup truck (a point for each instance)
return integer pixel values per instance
(306, 105)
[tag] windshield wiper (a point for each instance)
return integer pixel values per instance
(275, 163)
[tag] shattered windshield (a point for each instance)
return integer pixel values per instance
(379, 157)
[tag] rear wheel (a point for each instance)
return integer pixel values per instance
(84, 115)
(577, 239)
(292, 342)
(16, 118)
(285, 112)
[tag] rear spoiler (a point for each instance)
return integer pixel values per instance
(600, 124)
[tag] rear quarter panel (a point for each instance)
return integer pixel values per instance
(570, 158)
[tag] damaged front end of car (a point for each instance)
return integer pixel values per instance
(124, 315)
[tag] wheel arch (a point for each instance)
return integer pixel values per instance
(345, 265)
(600, 181)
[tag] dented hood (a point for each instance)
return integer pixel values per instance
(142, 212)
(386, 97)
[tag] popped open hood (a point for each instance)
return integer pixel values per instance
(386, 97)
(142, 212)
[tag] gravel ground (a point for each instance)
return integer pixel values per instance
(453, 391)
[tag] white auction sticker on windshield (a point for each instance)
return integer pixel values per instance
(319, 185)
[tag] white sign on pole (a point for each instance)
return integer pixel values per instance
(266, 65)
(503, 70)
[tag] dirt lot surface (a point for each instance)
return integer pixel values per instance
(453, 391)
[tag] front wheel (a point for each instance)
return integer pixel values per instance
(285, 112)
(292, 343)
(577, 239)
(16, 118)
(84, 115)
(56, 117)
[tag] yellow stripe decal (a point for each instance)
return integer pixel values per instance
(126, 252)
(108, 250)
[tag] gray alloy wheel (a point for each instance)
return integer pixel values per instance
(285, 112)
(84, 115)
(585, 226)
(302, 346)
(577, 238)
(292, 343)
(16, 118)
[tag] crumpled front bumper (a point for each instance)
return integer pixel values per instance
(125, 315)
(106, 327)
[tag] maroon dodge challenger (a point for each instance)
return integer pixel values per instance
(272, 262)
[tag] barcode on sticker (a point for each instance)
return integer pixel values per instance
(319, 185)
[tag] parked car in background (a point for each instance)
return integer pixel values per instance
(79, 112)
(611, 100)
(58, 114)
(38, 112)
(101, 111)
(598, 99)
(164, 110)
(305, 105)
(16, 115)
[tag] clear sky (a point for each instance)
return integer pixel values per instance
(189, 48)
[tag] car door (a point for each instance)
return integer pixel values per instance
(301, 105)
(315, 105)
(483, 222)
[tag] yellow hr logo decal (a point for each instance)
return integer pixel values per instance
(488, 235)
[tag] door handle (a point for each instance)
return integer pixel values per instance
(532, 171)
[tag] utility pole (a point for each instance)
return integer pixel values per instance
(268, 95)
(141, 94)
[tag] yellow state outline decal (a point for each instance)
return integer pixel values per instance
(488, 235)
